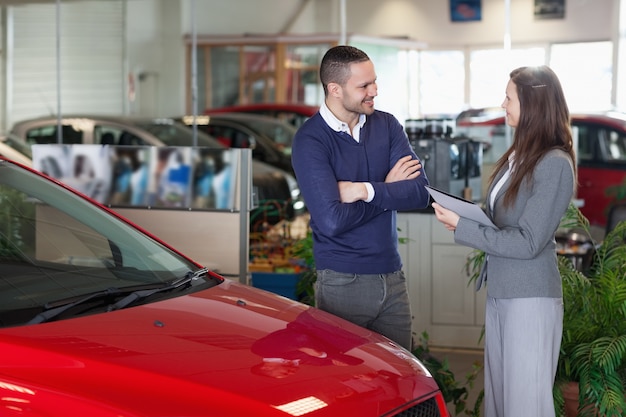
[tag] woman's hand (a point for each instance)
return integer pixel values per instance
(447, 217)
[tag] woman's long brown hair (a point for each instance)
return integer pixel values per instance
(544, 124)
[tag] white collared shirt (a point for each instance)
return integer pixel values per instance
(339, 126)
(501, 181)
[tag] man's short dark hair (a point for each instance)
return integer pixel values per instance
(335, 66)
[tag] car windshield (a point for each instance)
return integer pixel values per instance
(55, 245)
(281, 133)
(177, 134)
(18, 144)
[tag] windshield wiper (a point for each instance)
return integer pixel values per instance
(63, 305)
(55, 308)
(139, 294)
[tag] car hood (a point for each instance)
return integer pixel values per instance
(208, 353)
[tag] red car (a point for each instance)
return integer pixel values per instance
(601, 153)
(98, 318)
(294, 114)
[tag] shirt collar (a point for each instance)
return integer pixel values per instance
(339, 126)
(512, 161)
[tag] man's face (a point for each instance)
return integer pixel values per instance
(359, 91)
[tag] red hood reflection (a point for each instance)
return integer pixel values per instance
(231, 350)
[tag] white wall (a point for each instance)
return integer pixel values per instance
(72, 66)
(218, 17)
(423, 20)
(429, 21)
(156, 29)
(143, 51)
(156, 56)
(156, 47)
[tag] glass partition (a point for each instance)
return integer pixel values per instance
(145, 176)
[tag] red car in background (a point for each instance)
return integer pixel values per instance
(601, 152)
(294, 114)
(98, 318)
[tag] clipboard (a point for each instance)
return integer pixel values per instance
(461, 206)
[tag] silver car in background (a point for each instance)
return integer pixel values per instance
(270, 183)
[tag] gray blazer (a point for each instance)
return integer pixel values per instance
(521, 253)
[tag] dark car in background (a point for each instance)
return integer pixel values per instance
(294, 114)
(601, 153)
(99, 318)
(270, 182)
(270, 139)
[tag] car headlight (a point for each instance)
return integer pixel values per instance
(294, 189)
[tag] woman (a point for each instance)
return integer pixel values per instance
(530, 188)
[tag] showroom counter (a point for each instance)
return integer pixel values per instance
(442, 301)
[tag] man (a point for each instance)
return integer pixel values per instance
(355, 168)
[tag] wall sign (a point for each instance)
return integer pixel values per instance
(465, 10)
(549, 9)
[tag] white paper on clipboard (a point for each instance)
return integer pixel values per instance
(460, 206)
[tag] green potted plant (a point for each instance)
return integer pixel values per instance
(592, 361)
(455, 392)
(303, 249)
(593, 349)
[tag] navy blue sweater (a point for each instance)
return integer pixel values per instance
(355, 237)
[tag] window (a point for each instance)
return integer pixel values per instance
(489, 72)
(266, 72)
(586, 149)
(617, 146)
(392, 69)
(302, 69)
(48, 134)
(441, 83)
(585, 70)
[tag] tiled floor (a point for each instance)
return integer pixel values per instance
(462, 362)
